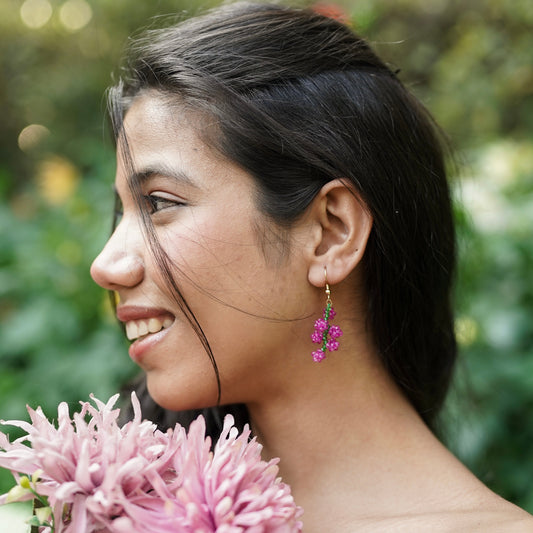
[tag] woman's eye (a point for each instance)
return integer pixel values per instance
(158, 203)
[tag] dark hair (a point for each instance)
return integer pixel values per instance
(299, 100)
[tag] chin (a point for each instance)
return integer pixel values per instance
(175, 397)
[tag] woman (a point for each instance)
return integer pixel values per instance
(269, 167)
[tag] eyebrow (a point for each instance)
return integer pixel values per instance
(144, 174)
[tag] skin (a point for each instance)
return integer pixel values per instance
(355, 452)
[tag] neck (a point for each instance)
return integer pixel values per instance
(335, 408)
(347, 429)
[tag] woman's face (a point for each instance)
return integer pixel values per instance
(244, 295)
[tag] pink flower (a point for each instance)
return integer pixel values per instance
(99, 477)
(90, 464)
(239, 490)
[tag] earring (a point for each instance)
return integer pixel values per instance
(323, 329)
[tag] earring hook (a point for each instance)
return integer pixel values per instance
(328, 290)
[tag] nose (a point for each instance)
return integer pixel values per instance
(120, 264)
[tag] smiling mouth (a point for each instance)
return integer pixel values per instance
(135, 329)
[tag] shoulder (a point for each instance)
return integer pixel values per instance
(474, 521)
(512, 520)
(494, 515)
(506, 518)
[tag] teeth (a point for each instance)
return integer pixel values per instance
(142, 328)
(154, 325)
(132, 331)
(139, 328)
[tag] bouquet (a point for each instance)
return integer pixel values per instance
(88, 475)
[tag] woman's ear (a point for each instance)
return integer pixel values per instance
(343, 225)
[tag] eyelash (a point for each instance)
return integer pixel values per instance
(152, 201)
(158, 203)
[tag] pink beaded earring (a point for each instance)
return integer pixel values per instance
(325, 333)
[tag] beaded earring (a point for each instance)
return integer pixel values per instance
(325, 333)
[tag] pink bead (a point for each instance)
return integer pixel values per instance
(321, 325)
(335, 332)
(325, 333)
(318, 356)
(330, 315)
(332, 345)
(316, 336)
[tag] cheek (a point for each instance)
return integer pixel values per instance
(182, 376)
(216, 254)
(248, 309)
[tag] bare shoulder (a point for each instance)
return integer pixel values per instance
(511, 520)
(507, 519)
(494, 517)
(496, 514)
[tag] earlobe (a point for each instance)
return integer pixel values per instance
(345, 226)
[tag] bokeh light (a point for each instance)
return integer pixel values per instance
(57, 179)
(35, 13)
(75, 14)
(466, 330)
(31, 136)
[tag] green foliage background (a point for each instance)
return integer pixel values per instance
(469, 61)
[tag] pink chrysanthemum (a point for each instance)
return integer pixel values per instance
(99, 477)
(231, 490)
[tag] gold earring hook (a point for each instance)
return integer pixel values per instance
(328, 291)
